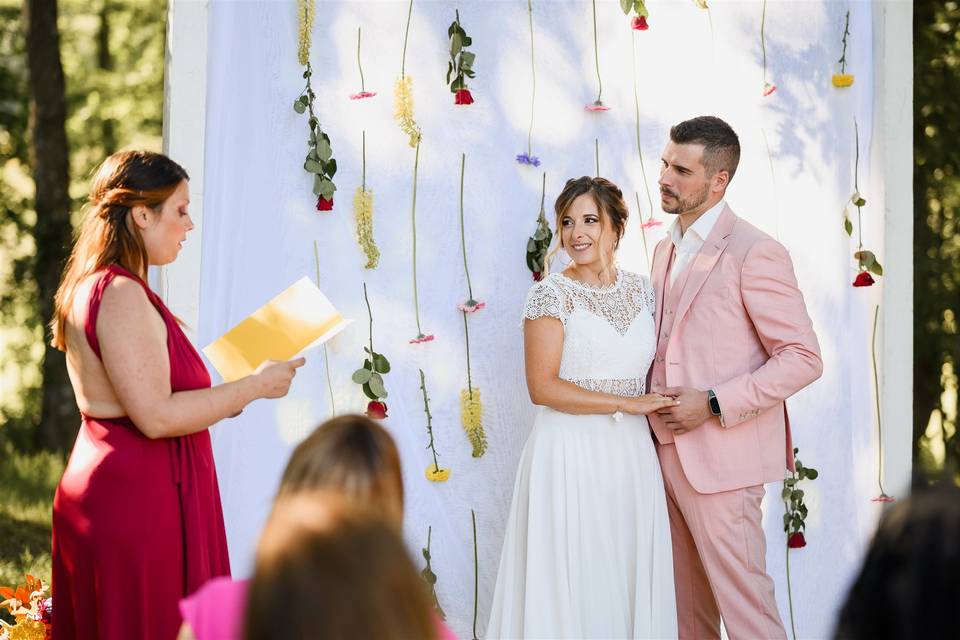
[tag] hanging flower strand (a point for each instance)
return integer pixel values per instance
(326, 355)
(363, 93)
(434, 472)
(883, 497)
(421, 336)
(476, 572)
(768, 87)
(403, 93)
(461, 62)
(843, 79)
(370, 374)
(430, 577)
(363, 213)
(539, 243)
(528, 157)
(702, 4)
(597, 105)
(471, 410)
(794, 520)
(866, 260)
(471, 305)
(639, 21)
(319, 161)
(650, 222)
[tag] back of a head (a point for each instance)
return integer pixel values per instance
(327, 569)
(353, 456)
(909, 585)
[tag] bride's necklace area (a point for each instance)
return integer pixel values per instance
(592, 280)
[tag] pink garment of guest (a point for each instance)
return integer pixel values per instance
(215, 611)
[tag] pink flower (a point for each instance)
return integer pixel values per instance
(362, 95)
(639, 23)
(796, 540)
(421, 338)
(324, 205)
(651, 223)
(883, 497)
(463, 96)
(768, 88)
(376, 410)
(864, 279)
(597, 106)
(471, 306)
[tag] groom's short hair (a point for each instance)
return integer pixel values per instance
(721, 146)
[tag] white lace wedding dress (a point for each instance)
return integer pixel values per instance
(587, 551)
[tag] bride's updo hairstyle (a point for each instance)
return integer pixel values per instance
(107, 235)
(609, 201)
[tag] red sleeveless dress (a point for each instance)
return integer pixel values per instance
(137, 523)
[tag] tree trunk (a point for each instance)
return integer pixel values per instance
(105, 62)
(59, 419)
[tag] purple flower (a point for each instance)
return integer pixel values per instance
(524, 158)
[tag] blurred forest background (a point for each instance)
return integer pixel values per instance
(80, 79)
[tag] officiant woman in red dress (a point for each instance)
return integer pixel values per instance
(137, 521)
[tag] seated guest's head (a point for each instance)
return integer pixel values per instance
(353, 456)
(326, 568)
(909, 585)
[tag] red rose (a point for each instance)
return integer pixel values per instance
(864, 279)
(537, 276)
(324, 205)
(377, 410)
(796, 540)
(639, 23)
(463, 97)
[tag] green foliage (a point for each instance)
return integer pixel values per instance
(936, 181)
(113, 54)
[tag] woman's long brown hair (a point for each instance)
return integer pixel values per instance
(107, 235)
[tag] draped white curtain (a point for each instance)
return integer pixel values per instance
(260, 225)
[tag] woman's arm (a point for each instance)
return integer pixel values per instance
(133, 345)
(543, 348)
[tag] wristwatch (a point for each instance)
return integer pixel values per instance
(713, 403)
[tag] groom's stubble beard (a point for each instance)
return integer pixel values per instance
(687, 205)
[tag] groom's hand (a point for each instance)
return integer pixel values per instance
(691, 412)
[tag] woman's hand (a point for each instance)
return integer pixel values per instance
(647, 404)
(274, 377)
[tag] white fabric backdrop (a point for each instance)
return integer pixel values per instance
(260, 225)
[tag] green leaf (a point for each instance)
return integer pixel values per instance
(376, 385)
(626, 5)
(317, 182)
(330, 167)
(848, 226)
(786, 520)
(299, 107)
(466, 59)
(326, 188)
(456, 43)
(367, 392)
(324, 150)
(797, 494)
(381, 364)
(467, 40)
(449, 71)
(812, 474)
(785, 494)
(876, 268)
(451, 29)
(312, 166)
(361, 376)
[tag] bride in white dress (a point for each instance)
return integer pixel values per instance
(587, 551)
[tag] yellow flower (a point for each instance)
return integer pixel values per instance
(305, 11)
(436, 474)
(842, 79)
(403, 108)
(28, 630)
(471, 414)
(363, 212)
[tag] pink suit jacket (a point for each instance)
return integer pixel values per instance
(740, 328)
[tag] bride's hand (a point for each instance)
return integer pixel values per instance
(647, 404)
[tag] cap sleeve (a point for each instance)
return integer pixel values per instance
(544, 300)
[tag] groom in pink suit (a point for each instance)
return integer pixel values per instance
(734, 341)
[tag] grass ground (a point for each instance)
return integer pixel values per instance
(27, 484)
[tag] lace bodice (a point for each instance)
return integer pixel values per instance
(608, 332)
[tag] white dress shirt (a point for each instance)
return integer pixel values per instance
(687, 244)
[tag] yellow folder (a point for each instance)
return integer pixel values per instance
(297, 319)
